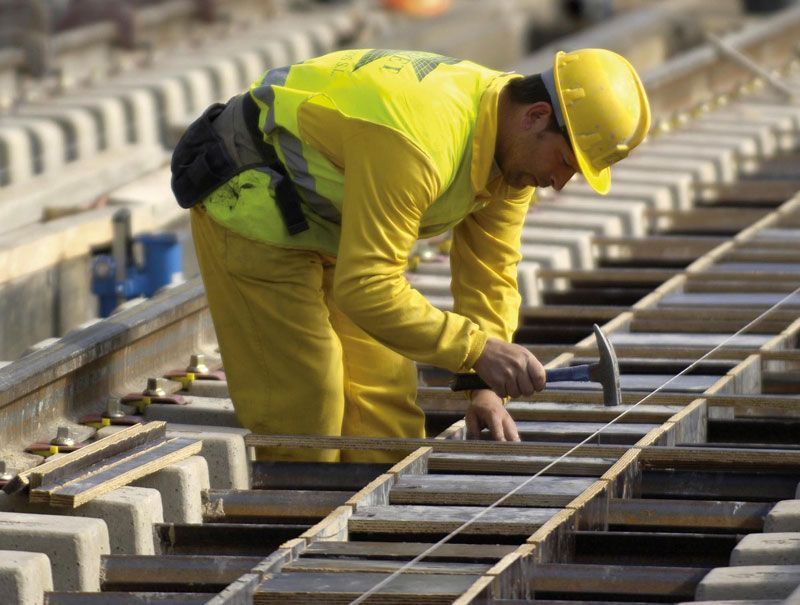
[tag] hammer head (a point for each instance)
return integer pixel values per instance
(607, 369)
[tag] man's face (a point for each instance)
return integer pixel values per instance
(535, 155)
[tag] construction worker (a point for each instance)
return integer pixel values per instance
(309, 191)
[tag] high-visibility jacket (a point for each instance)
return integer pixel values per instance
(386, 147)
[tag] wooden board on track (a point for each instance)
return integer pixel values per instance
(518, 465)
(425, 520)
(487, 489)
(343, 588)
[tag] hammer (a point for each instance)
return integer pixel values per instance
(605, 371)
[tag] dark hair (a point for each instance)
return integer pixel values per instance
(531, 89)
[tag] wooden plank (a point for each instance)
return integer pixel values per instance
(127, 598)
(720, 458)
(77, 492)
(332, 527)
(88, 455)
(678, 583)
(438, 445)
(554, 541)
(577, 431)
(179, 573)
(405, 551)
(691, 423)
(518, 465)
(592, 506)
(427, 520)
(308, 564)
(486, 490)
(698, 515)
(589, 412)
(343, 588)
(623, 478)
(285, 504)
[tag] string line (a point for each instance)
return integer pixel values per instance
(513, 491)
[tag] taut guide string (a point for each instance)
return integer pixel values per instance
(502, 499)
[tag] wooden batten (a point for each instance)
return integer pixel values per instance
(591, 506)
(294, 547)
(512, 573)
(690, 425)
(375, 493)
(480, 593)
(726, 385)
(456, 431)
(721, 458)
(624, 476)
(333, 527)
(554, 541)
(674, 284)
(416, 463)
(663, 435)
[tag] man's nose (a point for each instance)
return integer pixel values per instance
(561, 178)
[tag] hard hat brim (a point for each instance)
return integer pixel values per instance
(599, 180)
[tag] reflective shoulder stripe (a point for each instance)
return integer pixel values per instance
(265, 93)
(292, 150)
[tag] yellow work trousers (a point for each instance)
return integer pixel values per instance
(295, 364)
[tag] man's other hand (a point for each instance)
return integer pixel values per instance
(487, 411)
(510, 369)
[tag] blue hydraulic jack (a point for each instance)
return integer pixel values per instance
(137, 266)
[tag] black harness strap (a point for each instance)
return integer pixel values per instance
(286, 195)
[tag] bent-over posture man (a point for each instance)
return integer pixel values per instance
(309, 191)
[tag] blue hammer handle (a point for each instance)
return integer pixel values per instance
(465, 382)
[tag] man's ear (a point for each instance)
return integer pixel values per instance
(537, 116)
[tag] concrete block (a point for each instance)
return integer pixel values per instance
(784, 517)
(16, 155)
(579, 242)
(427, 284)
(208, 411)
(749, 582)
(697, 169)
(782, 126)
(743, 146)
(74, 546)
(440, 266)
(24, 577)
(142, 125)
(208, 388)
(631, 212)
(528, 283)
(678, 182)
(596, 223)
(726, 167)
(48, 142)
(793, 599)
(654, 196)
(167, 91)
(445, 303)
(180, 486)
(83, 140)
(224, 451)
(762, 135)
(110, 114)
(129, 514)
(779, 548)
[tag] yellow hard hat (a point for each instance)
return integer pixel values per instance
(604, 108)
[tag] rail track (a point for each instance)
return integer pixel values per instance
(686, 497)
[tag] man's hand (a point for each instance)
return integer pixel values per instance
(509, 369)
(487, 411)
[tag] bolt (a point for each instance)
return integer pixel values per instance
(5, 473)
(197, 364)
(113, 409)
(63, 437)
(154, 388)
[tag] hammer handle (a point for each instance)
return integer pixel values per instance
(469, 382)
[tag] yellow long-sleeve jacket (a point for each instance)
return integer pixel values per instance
(386, 147)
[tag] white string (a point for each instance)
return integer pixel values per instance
(502, 499)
